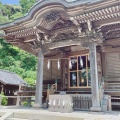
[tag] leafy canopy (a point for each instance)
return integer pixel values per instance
(9, 13)
(18, 61)
(12, 58)
(26, 5)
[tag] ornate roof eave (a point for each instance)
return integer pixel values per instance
(44, 3)
(38, 28)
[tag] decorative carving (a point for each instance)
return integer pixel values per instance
(78, 25)
(66, 36)
(62, 25)
(38, 36)
(54, 16)
(80, 29)
(74, 21)
(47, 39)
(89, 25)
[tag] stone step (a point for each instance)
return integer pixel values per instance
(40, 116)
(16, 119)
(2, 113)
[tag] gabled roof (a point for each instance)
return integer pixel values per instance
(42, 3)
(11, 78)
(53, 24)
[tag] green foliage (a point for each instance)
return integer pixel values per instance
(12, 58)
(26, 5)
(9, 13)
(4, 100)
(18, 61)
(25, 103)
(16, 15)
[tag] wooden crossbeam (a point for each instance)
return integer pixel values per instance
(112, 42)
(110, 49)
(102, 14)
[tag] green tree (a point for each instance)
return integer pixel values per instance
(9, 12)
(12, 58)
(16, 15)
(18, 61)
(26, 5)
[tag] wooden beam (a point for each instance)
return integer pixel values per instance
(110, 49)
(111, 27)
(64, 44)
(99, 23)
(112, 42)
(43, 30)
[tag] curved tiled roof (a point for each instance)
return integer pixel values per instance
(42, 3)
(7, 77)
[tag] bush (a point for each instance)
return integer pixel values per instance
(25, 104)
(4, 100)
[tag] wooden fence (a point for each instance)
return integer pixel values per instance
(82, 101)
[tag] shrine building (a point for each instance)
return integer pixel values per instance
(78, 44)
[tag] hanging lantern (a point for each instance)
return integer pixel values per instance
(81, 62)
(58, 64)
(9, 91)
(48, 65)
(70, 64)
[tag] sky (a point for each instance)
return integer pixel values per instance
(16, 2)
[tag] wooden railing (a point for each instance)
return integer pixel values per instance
(82, 101)
(18, 99)
(112, 86)
(115, 100)
(51, 90)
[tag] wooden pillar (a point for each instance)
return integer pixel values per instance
(2, 88)
(29, 101)
(39, 82)
(18, 101)
(94, 78)
(18, 97)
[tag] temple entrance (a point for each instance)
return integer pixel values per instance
(79, 71)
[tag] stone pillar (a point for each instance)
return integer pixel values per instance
(94, 78)
(39, 82)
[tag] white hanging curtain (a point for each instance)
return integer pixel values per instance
(70, 64)
(81, 61)
(58, 64)
(48, 65)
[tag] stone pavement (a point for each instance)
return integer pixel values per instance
(87, 115)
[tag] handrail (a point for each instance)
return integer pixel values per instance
(16, 96)
(51, 90)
